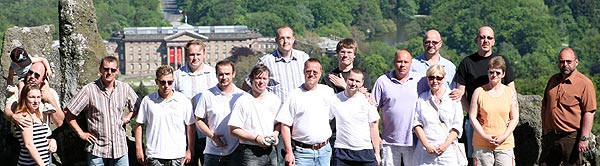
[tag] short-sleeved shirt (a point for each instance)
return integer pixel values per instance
(353, 118)
(565, 101)
(285, 74)
(254, 115)
(325, 80)
(307, 112)
(419, 64)
(190, 84)
(472, 72)
(215, 107)
(397, 101)
(104, 113)
(166, 122)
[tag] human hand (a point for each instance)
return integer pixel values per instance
(583, 146)
(22, 120)
(499, 140)
(217, 140)
(260, 140)
(338, 81)
(290, 159)
(430, 149)
(378, 158)
(49, 73)
(52, 147)
(188, 157)
(275, 136)
(87, 137)
(139, 154)
(456, 94)
(46, 94)
(442, 148)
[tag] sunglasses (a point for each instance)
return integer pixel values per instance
(431, 78)
(163, 82)
(491, 72)
(431, 42)
(487, 37)
(34, 74)
(565, 61)
(106, 69)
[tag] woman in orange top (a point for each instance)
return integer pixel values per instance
(494, 115)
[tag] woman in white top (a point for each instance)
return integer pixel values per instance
(33, 139)
(437, 122)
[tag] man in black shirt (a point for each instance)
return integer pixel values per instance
(472, 73)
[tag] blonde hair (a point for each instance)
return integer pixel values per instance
(435, 69)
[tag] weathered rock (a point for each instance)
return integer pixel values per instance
(37, 41)
(81, 48)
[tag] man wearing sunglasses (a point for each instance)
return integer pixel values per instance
(50, 106)
(103, 102)
(432, 43)
(169, 124)
(473, 73)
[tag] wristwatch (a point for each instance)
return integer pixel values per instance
(583, 138)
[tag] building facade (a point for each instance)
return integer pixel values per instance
(141, 50)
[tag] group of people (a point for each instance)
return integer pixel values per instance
(288, 112)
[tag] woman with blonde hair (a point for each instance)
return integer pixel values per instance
(32, 139)
(494, 115)
(437, 123)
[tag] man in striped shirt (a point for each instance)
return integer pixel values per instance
(103, 102)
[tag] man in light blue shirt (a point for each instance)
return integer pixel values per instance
(432, 42)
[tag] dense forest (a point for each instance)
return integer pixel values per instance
(530, 33)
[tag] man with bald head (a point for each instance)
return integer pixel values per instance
(432, 43)
(50, 104)
(472, 73)
(396, 95)
(568, 110)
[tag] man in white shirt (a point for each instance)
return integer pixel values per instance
(169, 122)
(253, 121)
(304, 120)
(358, 140)
(191, 79)
(213, 109)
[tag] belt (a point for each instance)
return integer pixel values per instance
(559, 132)
(309, 146)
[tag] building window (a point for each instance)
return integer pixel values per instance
(216, 56)
(147, 48)
(224, 47)
(140, 49)
(131, 49)
(148, 66)
(147, 57)
(207, 47)
(207, 56)
(216, 47)
(140, 66)
(139, 57)
(131, 67)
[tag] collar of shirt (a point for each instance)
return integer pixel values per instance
(421, 58)
(392, 77)
(101, 85)
(187, 71)
(568, 79)
(279, 58)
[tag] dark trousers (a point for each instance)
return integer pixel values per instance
(560, 147)
(347, 157)
(198, 156)
(253, 155)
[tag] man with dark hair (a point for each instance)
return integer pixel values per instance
(253, 121)
(304, 120)
(169, 124)
(568, 110)
(213, 109)
(103, 102)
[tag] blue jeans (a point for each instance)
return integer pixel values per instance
(99, 161)
(469, 134)
(164, 162)
(233, 159)
(310, 157)
(253, 155)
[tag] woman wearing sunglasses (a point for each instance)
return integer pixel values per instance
(437, 123)
(494, 115)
